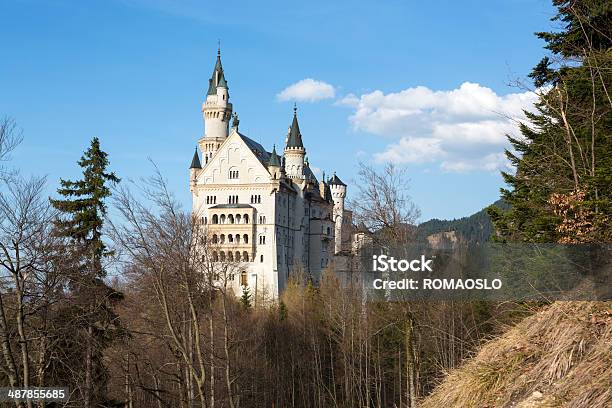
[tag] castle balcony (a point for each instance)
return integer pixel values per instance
(239, 216)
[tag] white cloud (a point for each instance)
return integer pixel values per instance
(463, 129)
(308, 90)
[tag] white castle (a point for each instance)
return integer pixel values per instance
(268, 214)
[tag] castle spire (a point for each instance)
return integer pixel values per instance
(295, 136)
(216, 109)
(195, 162)
(274, 160)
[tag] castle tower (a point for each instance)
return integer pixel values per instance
(274, 165)
(294, 151)
(338, 193)
(194, 170)
(216, 111)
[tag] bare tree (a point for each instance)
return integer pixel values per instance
(28, 278)
(382, 203)
(10, 137)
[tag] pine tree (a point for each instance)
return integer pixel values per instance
(245, 299)
(83, 209)
(80, 221)
(564, 159)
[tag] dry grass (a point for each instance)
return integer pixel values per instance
(559, 357)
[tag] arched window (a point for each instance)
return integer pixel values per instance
(237, 256)
(237, 239)
(261, 258)
(205, 220)
(230, 256)
(222, 238)
(230, 238)
(230, 219)
(215, 219)
(215, 257)
(245, 238)
(223, 219)
(215, 239)
(222, 256)
(246, 218)
(245, 256)
(243, 278)
(238, 218)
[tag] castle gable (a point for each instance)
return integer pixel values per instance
(239, 160)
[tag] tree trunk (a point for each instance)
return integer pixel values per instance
(228, 379)
(88, 367)
(411, 377)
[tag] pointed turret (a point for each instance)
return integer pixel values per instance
(335, 181)
(295, 136)
(217, 109)
(294, 150)
(217, 75)
(274, 160)
(194, 170)
(338, 193)
(195, 162)
(274, 165)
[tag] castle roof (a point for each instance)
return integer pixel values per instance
(217, 78)
(295, 136)
(335, 181)
(262, 155)
(274, 160)
(195, 162)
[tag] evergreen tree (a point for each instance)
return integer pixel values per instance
(245, 299)
(81, 218)
(83, 209)
(562, 188)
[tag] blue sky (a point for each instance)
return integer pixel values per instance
(420, 84)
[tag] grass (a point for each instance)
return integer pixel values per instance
(559, 357)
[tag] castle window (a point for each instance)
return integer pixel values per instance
(245, 256)
(230, 219)
(261, 258)
(222, 238)
(238, 218)
(215, 239)
(243, 278)
(230, 256)
(215, 219)
(245, 238)
(233, 173)
(246, 218)
(222, 256)
(215, 257)
(237, 256)
(262, 239)
(230, 238)
(222, 219)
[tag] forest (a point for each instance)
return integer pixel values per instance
(130, 310)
